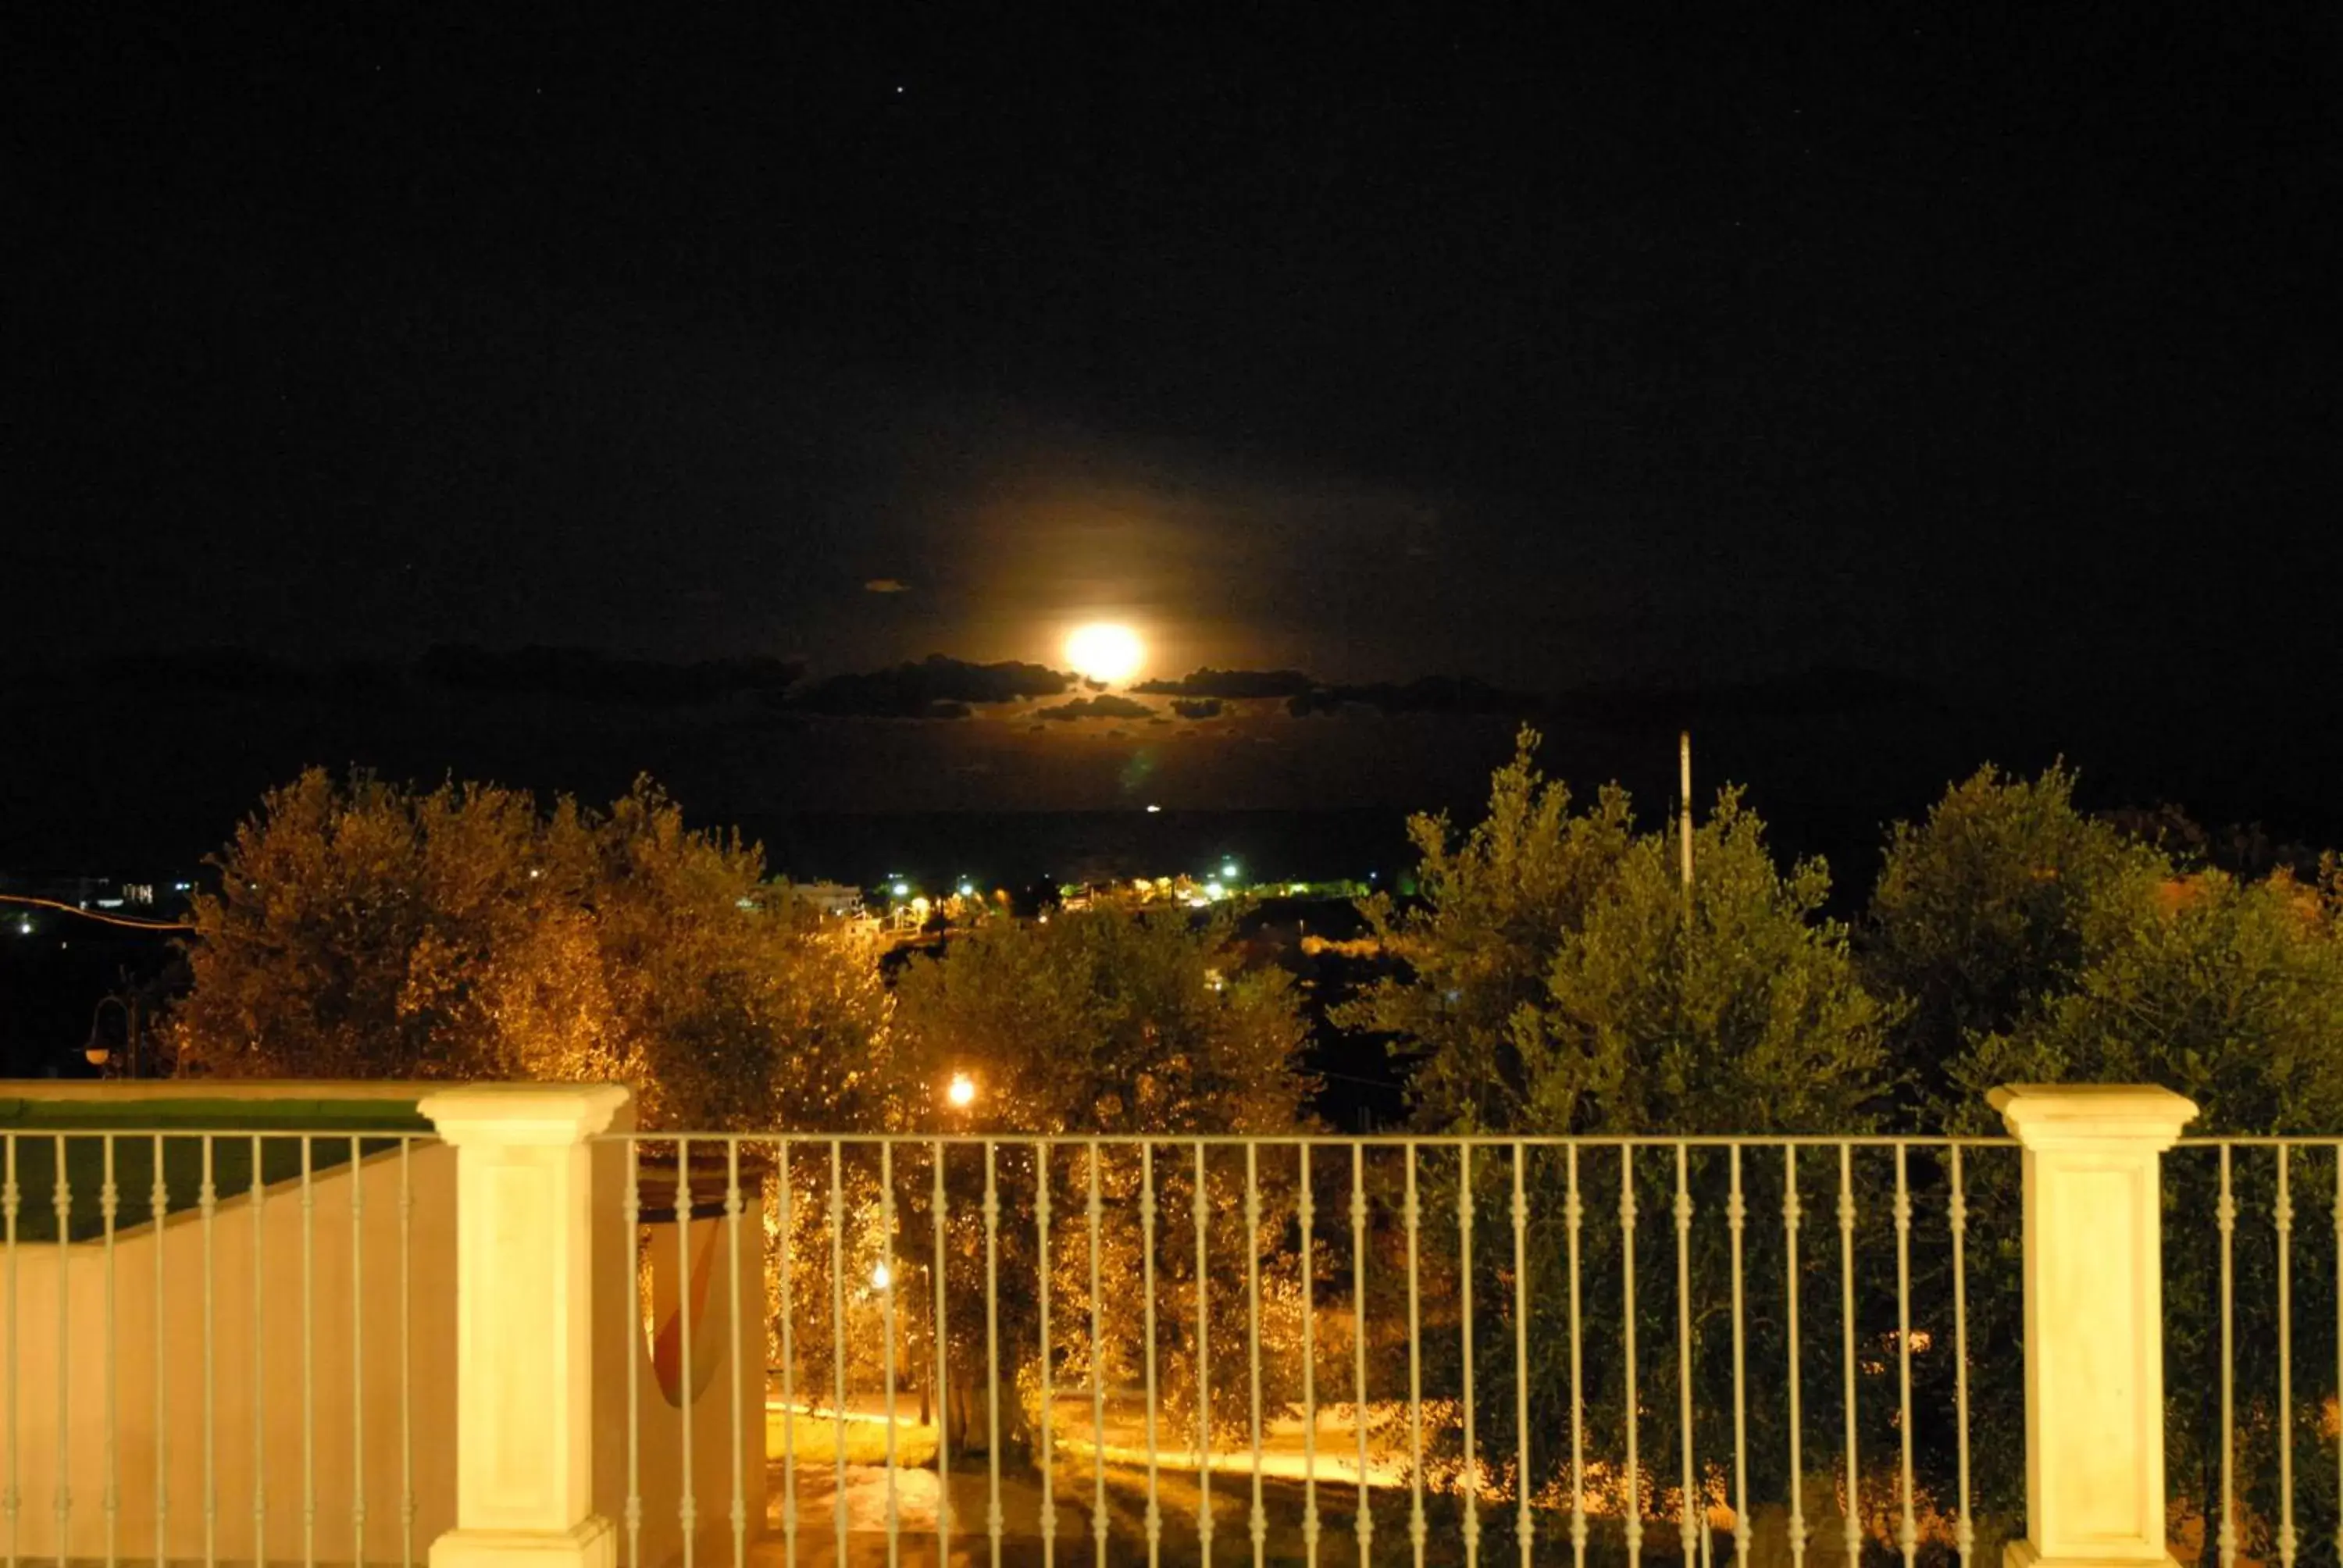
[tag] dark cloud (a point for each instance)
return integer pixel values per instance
(1234, 684)
(928, 689)
(1197, 707)
(1108, 706)
(588, 673)
(1430, 694)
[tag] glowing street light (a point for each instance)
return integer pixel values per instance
(961, 1091)
(901, 889)
(881, 1277)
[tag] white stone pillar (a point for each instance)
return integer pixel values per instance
(524, 1324)
(2094, 1320)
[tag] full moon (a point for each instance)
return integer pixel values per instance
(1104, 652)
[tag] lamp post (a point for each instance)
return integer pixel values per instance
(95, 1050)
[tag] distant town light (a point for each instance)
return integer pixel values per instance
(1214, 890)
(1228, 870)
(1153, 810)
(962, 1093)
(903, 889)
(967, 888)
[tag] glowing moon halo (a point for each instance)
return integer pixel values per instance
(1105, 651)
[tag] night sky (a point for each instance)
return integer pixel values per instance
(1991, 351)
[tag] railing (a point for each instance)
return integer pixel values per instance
(216, 1339)
(543, 1335)
(2252, 1439)
(1424, 1347)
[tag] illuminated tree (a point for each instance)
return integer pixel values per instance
(370, 930)
(1127, 1024)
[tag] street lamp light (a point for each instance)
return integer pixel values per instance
(96, 1052)
(962, 1092)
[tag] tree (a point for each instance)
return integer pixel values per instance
(370, 930)
(1977, 917)
(1132, 1024)
(1553, 983)
(2037, 944)
(1479, 947)
(2231, 992)
(1556, 983)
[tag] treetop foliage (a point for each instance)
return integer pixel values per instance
(366, 929)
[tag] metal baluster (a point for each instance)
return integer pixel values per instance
(407, 1354)
(1364, 1524)
(1963, 1528)
(886, 1334)
(1852, 1520)
(630, 1213)
(739, 1353)
(2225, 1216)
(993, 1522)
(308, 1355)
(938, 1326)
(1147, 1307)
(1202, 1208)
(1687, 1529)
(1049, 1416)
(208, 1204)
(110, 1503)
(1635, 1499)
(784, 1222)
(358, 1350)
(62, 1202)
(13, 1500)
(1411, 1220)
(838, 1340)
(257, 1200)
(2339, 1329)
(1573, 1214)
(1470, 1478)
(1736, 1223)
(158, 1202)
(1523, 1535)
(2286, 1537)
(1094, 1209)
(687, 1508)
(1907, 1530)
(1252, 1336)
(1791, 1216)
(1305, 1211)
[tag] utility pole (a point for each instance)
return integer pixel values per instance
(1683, 792)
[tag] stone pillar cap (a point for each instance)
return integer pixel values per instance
(2072, 1115)
(524, 1113)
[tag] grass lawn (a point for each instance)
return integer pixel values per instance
(35, 1129)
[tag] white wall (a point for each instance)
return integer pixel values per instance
(343, 1384)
